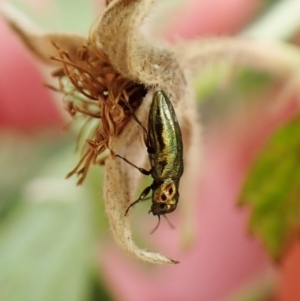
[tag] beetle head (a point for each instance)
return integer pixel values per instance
(164, 198)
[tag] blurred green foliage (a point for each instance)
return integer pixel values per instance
(48, 233)
(223, 91)
(272, 190)
(61, 15)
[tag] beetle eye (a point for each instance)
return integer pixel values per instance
(162, 206)
(163, 197)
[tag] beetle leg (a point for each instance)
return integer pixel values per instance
(142, 170)
(141, 198)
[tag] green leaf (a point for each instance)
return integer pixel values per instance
(48, 238)
(19, 166)
(45, 253)
(272, 190)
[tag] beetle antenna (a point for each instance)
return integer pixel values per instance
(169, 223)
(156, 227)
(135, 117)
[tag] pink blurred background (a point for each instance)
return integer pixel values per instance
(224, 257)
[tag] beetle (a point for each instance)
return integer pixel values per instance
(163, 140)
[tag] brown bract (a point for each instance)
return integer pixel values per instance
(117, 64)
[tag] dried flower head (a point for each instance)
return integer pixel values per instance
(94, 90)
(116, 65)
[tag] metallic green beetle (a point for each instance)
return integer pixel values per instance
(164, 145)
